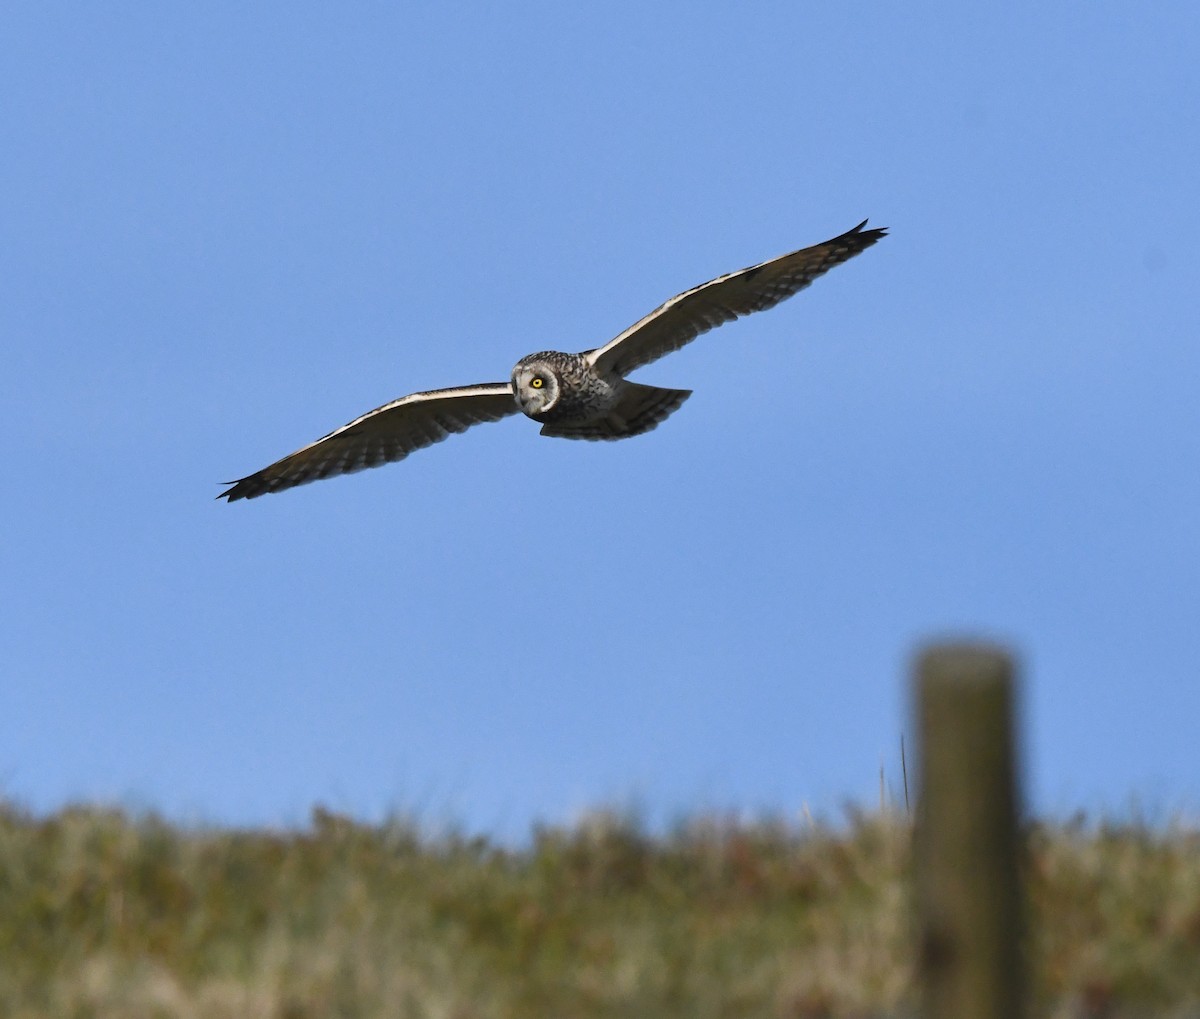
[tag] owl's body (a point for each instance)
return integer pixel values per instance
(572, 396)
(571, 400)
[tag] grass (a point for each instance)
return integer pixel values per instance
(103, 914)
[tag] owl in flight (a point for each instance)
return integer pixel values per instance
(572, 396)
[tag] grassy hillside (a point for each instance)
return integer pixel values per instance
(106, 915)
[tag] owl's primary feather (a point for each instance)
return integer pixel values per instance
(573, 396)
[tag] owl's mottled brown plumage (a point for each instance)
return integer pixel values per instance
(573, 396)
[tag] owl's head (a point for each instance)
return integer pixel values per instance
(535, 385)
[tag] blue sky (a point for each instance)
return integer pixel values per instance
(228, 229)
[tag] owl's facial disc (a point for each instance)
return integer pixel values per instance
(536, 389)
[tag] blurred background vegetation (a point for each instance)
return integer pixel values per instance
(108, 914)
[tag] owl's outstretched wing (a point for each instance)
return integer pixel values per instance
(384, 435)
(685, 316)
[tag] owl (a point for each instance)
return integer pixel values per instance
(572, 396)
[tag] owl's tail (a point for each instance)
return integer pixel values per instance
(640, 409)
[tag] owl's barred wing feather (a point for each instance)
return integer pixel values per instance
(686, 316)
(384, 435)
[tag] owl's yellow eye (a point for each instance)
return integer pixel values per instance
(537, 382)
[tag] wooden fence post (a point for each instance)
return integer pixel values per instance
(967, 842)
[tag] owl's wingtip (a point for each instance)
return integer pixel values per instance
(234, 492)
(861, 238)
(879, 231)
